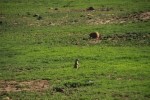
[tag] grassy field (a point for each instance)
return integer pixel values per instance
(40, 40)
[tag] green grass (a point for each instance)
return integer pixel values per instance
(32, 49)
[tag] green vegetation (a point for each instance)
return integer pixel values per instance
(40, 40)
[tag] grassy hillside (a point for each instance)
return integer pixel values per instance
(40, 40)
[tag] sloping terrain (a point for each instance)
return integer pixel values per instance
(40, 41)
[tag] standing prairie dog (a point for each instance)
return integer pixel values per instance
(76, 65)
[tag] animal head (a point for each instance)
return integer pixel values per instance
(77, 59)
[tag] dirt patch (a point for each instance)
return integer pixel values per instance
(134, 17)
(145, 16)
(127, 36)
(131, 37)
(97, 21)
(137, 38)
(14, 86)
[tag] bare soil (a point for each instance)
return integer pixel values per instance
(14, 86)
(134, 17)
(138, 38)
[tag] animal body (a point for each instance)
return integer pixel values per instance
(76, 64)
(94, 35)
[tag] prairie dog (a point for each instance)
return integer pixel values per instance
(76, 64)
(95, 35)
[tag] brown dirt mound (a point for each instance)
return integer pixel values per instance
(14, 86)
